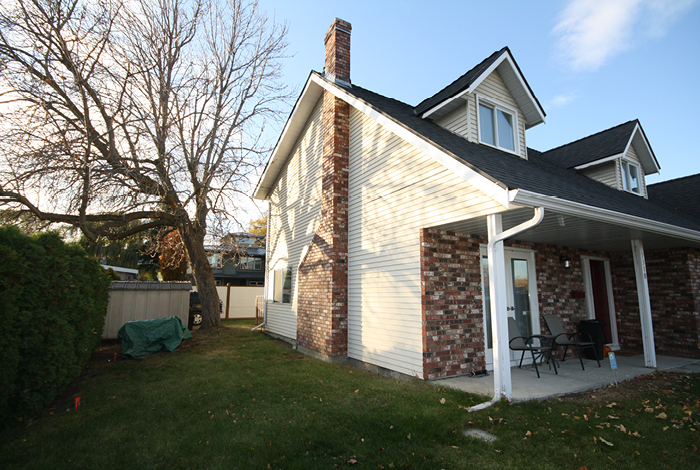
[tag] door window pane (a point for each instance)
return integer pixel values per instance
(521, 295)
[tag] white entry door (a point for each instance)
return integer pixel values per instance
(522, 303)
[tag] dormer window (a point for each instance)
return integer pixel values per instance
(630, 177)
(497, 126)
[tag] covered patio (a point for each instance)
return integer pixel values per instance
(571, 379)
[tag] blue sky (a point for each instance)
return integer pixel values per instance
(592, 64)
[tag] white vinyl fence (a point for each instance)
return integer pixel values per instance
(238, 301)
(143, 300)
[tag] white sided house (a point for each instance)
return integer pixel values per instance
(405, 236)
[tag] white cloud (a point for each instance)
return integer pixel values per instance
(592, 31)
(559, 101)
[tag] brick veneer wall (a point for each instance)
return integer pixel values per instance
(674, 291)
(452, 300)
(322, 304)
(453, 336)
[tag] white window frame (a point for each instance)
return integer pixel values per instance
(489, 103)
(282, 293)
(626, 177)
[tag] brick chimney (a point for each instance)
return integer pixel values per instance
(337, 42)
(322, 306)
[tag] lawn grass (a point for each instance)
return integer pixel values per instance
(237, 399)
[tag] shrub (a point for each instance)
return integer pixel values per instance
(54, 300)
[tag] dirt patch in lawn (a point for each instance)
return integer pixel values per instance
(661, 382)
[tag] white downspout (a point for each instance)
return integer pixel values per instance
(267, 274)
(497, 285)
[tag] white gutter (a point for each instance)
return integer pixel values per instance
(499, 324)
(562, 206)
(267, 275)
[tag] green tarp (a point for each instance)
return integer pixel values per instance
(143, 337)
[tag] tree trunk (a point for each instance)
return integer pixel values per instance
(204, 278)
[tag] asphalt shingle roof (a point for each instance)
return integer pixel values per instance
(595, 147)
(462, 83)
(681, 194)
(539, 174)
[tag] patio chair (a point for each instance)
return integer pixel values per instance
(562, 338)
(517, 342)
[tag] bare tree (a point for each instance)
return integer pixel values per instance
(121, 116)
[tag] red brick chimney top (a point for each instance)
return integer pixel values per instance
(337, 42)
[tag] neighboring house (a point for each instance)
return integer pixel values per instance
(125, 274)
(404, 236)
(239, 261)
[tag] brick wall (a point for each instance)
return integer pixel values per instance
(453, 322)
(674, 282)
(322, 309)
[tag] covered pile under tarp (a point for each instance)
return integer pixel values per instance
(143, 337)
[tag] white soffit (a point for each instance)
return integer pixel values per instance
(644, 151)
(563, 206)
(294, 126)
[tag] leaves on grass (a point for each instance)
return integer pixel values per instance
(442, 401)
(662, 415)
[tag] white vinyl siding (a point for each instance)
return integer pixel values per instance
(457, 121)
(605, 173)
(395, 190)
(463, 120)
(493, 89)
(295, 206)
(631, 156)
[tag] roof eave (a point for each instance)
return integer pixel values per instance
(295, 124)
(514, 80)
(563, 206)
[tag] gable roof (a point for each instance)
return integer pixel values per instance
(537, 175)
(604, 146)
(448, 98)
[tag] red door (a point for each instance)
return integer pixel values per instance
(599, 286)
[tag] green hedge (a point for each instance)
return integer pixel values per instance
(53, 301)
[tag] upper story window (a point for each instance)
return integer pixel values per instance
(251, 263)
(631, 177)
(497, 126)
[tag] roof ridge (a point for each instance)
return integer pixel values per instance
(484, 64)
(589, 136)
(675, 180)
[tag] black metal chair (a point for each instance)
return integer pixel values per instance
(562, 338)
(517, 342)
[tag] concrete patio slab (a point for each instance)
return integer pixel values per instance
(571, 379)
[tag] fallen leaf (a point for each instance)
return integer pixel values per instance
(442, 401)
(606, 442)
(352, 461)
(409, 436)
(528, 434)
(456, 447)
(621, 428)
(662, 415)
(611, 405)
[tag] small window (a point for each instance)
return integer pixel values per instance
(497, 126)
(630, 178)
(251, 263)
(283, 286)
